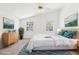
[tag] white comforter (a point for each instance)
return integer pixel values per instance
(52, 41)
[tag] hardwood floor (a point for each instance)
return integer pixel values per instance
(15, 48)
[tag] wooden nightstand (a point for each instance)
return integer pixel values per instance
(78, 44)
(77, 40)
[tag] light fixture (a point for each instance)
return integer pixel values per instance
(40, 8)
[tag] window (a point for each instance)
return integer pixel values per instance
(29, 26)
(49, 26)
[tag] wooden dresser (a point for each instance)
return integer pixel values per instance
(9, 38)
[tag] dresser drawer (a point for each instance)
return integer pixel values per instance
(9, 38)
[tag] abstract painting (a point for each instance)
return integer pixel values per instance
(8, 23)
(72, 21)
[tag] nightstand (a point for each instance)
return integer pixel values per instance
(78, 44)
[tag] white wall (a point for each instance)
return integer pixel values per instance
(68, 10)
(57, 17)
(16, 23)
(40, 21)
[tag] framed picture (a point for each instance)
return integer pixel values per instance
(8, 23)
(72, 21)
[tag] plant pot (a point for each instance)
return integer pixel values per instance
(21, 32)
(21, 37)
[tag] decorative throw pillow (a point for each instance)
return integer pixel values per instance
(61, 33)
(68, 34)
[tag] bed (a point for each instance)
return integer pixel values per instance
(50, 42)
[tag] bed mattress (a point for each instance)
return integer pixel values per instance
(51, 42)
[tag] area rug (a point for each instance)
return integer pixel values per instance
(48, 52)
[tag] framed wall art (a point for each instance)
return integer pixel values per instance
(8, 23)
(72, 21)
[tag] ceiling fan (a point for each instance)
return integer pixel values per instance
(40, 8)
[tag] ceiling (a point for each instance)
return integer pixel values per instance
(22, 10)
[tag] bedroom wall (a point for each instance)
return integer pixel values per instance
(40, 21)
(68, 10)
(16, 23)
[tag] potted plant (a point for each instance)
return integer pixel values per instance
(21, 32)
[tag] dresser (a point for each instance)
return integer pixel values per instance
(9, 38)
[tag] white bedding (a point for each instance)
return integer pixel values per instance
(50, 42)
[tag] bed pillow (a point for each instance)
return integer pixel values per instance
(68, 34)
(62, 33)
